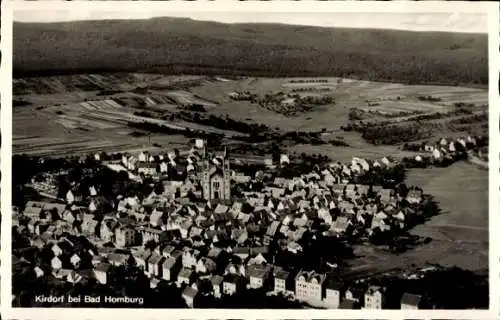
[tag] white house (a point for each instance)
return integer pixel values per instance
(284, 159)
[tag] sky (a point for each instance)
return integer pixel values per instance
(438, 21)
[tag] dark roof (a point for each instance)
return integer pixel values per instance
(232, 278)
(357, 293)
(334, 284)
(347, 304)
(411, 299)
(281, 274)
(103, 267)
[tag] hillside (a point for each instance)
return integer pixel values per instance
(173, 45)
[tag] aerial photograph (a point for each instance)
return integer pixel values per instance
(249, 160)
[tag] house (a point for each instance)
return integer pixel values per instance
(216, 284)
(284, 159)
(75, 260)
(98, 259)
(107, 229)
(340, 225)
(154, 265)
(189, 295)
(282, 280)
(73, 196)
(333, 294)
(258, 276)
(89, 225)
(143, 156)
(309, 286)
(325, 215)
(190, 258)
(386, 195)
(436, 154)
(150, 234)
(38, 272)
(141, 258)
(257, 260)
(242, 252)
(148, 169)
(294, 247)
(185, 276)
(163, 167)
(414, 196)
(171, 268)
(375, 298)
(102, 272)
(268, 160)
(61, 273)
(125, 237)
(272, 229)
(74, 277)
(205, 266)
(117, 259)
(56, 263)
(231, 284)
(61, 248)
(70, 198)
(240, 235)
(32, 212)
(355, 294)
(411, 301)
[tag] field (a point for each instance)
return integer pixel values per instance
(461, 230)
(66, 114)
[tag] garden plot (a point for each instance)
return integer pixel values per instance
(188, 98)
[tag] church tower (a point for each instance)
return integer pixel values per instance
(226, 173)
(216, 178)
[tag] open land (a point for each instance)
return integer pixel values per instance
(70, 119)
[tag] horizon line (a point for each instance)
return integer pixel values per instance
(442, 30)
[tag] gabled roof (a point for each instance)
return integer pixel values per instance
(216, 280)
(190, 292)
(281, 274)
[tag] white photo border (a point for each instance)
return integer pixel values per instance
(489, 8)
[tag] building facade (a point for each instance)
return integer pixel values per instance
(216, 178)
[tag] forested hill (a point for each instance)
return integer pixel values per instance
(176, 45)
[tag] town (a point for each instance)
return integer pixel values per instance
(207, 230)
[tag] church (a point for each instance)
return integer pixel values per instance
(216, 177)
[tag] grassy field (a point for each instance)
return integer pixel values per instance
(462, 192)
(161, 44)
